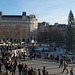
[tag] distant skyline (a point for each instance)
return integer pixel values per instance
(52, 11)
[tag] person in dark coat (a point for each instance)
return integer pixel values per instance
(15, 61)
(2, 60)
(20, 68)
(29, 71)
(61, 63)
(26, 65)
(14, 68)
(25, 71)
(57, 59)
(35, 55)
(0, 67)
(71, 71)
(44, 71)
(24, 56)
(39, 73)
(6, 66)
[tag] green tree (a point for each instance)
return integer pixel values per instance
(70, 32)
(71, 19)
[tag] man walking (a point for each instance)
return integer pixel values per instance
(61, 63)
(71, 71)
(65, 67)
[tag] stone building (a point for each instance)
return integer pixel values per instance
(62, 26)
(43, 26)
(29, 22)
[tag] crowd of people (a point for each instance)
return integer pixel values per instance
(23, 69)
(62, 62)
(57, 58)
(11, 65)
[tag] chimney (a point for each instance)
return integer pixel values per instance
(1, 13)
(24, 15)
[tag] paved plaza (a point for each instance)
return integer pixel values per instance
(51, 66)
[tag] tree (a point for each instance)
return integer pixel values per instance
(71, 18)
(8, 31)
(19, 32)
(54, 34)
(70, 32)
(1, 32)
(58, 35)
(25, 33)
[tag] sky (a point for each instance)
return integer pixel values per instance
(52, 11)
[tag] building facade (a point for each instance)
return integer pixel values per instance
(43, 26)
(62, 26)
(28, 22)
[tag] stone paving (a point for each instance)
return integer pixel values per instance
(51, 66)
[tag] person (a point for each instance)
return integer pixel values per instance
(20, 68)
(25, 71)
(65, 67)
(6, 66)
(24, 56)
(20, 55)
(51, 56)
(34, 71)
(39, 73)
(0, 67)
(2, 59)
(23, 67)
(44, 71)
(11, 67)
(35, 55)
(14, 68)
(71, 71)
(72, 58)
(29, 71)
(15, 61)
(57, 59)
(31, 56)
(61, 63)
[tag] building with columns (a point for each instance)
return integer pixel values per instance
(28, 22)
